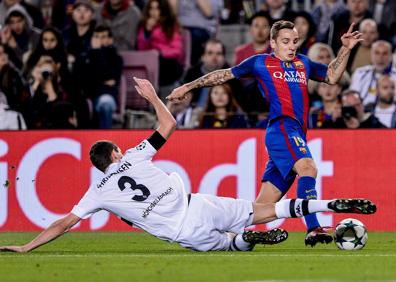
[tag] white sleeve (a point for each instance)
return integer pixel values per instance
(143, 151)
(88, 205)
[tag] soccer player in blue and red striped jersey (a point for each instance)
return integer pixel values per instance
(282, 78)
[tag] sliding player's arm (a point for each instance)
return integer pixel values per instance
(211, 79)
(55, 230)
(338, 65)
(167, 123)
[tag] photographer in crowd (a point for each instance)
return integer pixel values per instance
(46, 94)
(353, 115)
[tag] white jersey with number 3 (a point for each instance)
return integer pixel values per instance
(137, 191)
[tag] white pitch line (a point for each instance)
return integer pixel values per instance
(4, 255)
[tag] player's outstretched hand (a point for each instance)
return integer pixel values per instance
(178, 93)
(145, 89)
(12, 249)
(351, 38)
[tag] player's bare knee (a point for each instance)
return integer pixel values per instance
(306, 167)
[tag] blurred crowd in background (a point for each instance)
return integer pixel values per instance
(66, 64)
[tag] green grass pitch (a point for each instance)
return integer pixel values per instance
(139, 257)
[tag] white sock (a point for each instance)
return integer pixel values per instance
(238, 244)
(282, 209)
(318, 205)
(299, 207)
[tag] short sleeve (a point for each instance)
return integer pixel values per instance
(88, 205)
(318, 71)
(245, 68)
(143, 151)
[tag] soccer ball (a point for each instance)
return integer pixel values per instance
(350, 234)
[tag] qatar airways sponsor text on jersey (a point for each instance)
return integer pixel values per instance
(283, 83)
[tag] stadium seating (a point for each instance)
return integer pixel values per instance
(232, 36)
(142, 64)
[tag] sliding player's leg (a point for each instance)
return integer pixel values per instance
(218, 224)
(264, 213)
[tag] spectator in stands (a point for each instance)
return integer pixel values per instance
(99, 73)
(322, 13)
(260, 25)
(46, 94)
(212, 59)
(50, 44)
(321, 52)
(364, 79)
(360, 56)
(353, 115)
(18, 35)
(160, 30)
(235, 12)
(122, 16)
(222, 111)
(384, 13)
(357, 10)
(12, 84)
(254, 103)
(77, 39)
(33, 12)
(201, 18)
(385, 109)
(77, 36)
(61, 13)
(329, 111)
(185, 115)
(279, 10)
(9, 119)
(305, 26)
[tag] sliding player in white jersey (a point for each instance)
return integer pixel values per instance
(145, 196)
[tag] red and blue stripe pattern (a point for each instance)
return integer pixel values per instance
(283, 84)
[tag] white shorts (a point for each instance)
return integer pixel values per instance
(212, 222)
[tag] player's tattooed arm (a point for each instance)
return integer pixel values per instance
(337, 66)
(211, 79)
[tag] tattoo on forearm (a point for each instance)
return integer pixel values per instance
(211, 79)
(337, 66)
(342, 55)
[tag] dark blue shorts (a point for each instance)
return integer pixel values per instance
(286, 143)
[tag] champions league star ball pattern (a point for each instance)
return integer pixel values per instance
(350, 234)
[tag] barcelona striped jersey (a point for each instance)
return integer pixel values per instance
(283, 84)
